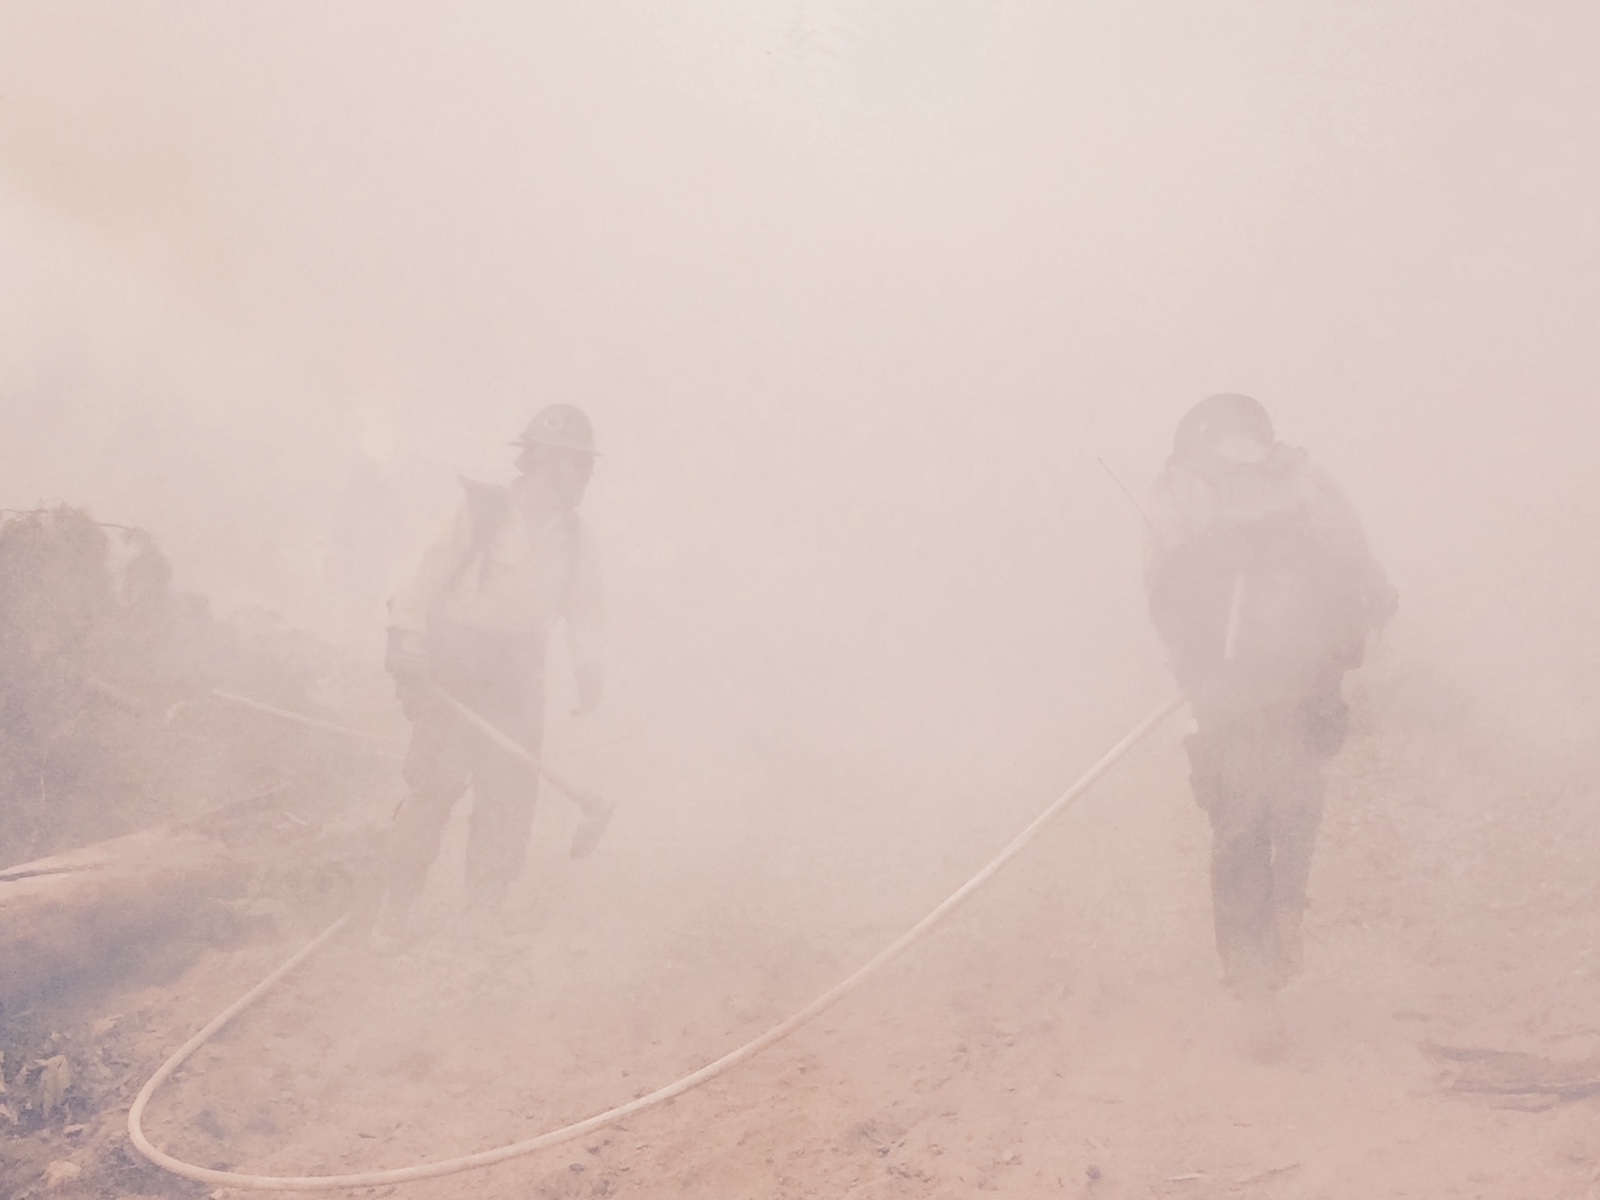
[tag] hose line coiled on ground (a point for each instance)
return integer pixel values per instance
(662, 1094)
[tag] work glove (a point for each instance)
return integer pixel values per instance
(407, 656)
(591, 685)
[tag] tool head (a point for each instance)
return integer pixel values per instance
(593, 826)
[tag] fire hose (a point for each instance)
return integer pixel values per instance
(611, 1116)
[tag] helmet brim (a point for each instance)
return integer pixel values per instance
(524, 443)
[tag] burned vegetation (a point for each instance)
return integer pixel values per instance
(145, 818)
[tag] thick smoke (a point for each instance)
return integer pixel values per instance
(857, 295)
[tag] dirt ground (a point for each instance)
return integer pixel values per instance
(1063, 1034)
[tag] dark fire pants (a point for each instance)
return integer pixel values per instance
(1260, 778)
(444, 756)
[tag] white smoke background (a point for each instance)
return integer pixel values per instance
(857, 294)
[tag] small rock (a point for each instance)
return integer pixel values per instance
(60, 1172)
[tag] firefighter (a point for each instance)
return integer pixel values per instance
(474, 620)
(1263, 589)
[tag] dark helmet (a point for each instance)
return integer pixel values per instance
(1216, 417)
(562, 426)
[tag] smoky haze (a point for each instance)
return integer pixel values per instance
(856, 294)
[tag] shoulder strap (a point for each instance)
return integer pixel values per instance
(489, 506)
(574, 529)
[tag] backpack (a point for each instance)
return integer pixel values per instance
(1264, 602)
(490, 506)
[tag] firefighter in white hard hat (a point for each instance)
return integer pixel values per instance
(474, 620)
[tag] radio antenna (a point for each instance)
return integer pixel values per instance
(1131, 498)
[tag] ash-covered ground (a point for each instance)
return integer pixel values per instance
(1064, 1033)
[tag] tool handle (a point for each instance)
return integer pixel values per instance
(588, 803)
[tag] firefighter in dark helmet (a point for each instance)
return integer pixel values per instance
(474, 620)
(1263, 589)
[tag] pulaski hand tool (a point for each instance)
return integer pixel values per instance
(596, 811)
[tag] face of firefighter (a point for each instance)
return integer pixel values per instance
(555, 475)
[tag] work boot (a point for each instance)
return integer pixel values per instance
(487, 938)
